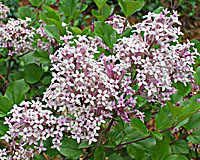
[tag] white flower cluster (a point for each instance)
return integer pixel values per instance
(117, 22)
(30, 125)
(4, 10)
(17, 36)
(157, 60)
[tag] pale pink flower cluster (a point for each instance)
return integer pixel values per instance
(157, 60)
(30, 125)
(117, 22)
(17, 36)
(4, 10)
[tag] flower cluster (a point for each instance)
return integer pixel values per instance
(117, 22)
(17, 36)
(4, 10)
(158, 57)
(31, 124)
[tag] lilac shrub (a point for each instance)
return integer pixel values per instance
(4, 10)
(88, 94)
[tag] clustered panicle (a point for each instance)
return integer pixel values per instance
(30, 125)
(17, 36)
(84, 93)
(157, 60)
(117, 22)
(4, 10)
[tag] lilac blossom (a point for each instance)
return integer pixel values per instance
(4, 10)
(30, 125)
(17, 36)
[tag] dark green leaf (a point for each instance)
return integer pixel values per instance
(41, 56)
(32, 73)
(114, 156)
(50, 152)
(162, 150)
(139, 125)
(129, 7)
(164, 119)
(188, 111)
(106, 11)
(176, 97)
(5, 104)
(193, 122)
(197, 76)
(68, 7)
(69, 148)
(182, 89)
(52, 31)
(36, 3)
(194, 137)
(180, 147)
(176, 157)
(24, 12)
(16, 91)
(84, 145)
(191, 100)
(3, 128)
(99, 153)
(175, 111)
(2, 114)
(100, 3)
(157, 135)
(106, 32)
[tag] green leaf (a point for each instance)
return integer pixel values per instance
(188, 111)
(114, 156)
(162, 150)
(193, 122)
(36, 3)
(50, 152)
(191, 100)
(3, 128)
(142, 149)
(69, 148)
(175, 111)
(106, 32)
(140, 126)
(157, 135)
(164, 119)
(76, 30)
(197, 76)
(41, 56)
(52, 31)
(129, 7)
(194, 137)
(5, 104)
(39, 157)
(15, 92)
(182, 89)
(50, 16)
(97, 15)
(2, 114)
(84, 145)
(176, 97)
(180, 147)
(24, 12)
(32, 73)
(106, 11)
(158, 10)
(99, 153)
(176, 157)
(68, 7)
(100, 3)
(196, 44)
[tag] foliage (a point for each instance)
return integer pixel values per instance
(72, 91)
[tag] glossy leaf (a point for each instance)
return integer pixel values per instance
(157, 135)
(16, 91)
(99, 153)
(5, 104)
(106, 32)
(194, 137)
(139, 125)
(41, 56)
(100, 3)
(52, 31)
(180, 147)
(176, 157)
(129, 7)
(175, 111)
(164, 119)
(32, 73)
(69, 148)
(36, 3)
